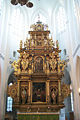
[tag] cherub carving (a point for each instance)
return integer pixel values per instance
(16, 66)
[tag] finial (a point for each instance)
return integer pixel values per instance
(46, 27)
(57, 44)
(21, 44)
(25, 44)
(38, 18)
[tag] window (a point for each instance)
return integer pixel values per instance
(0, 6)
(61, 20)
(76, 5)
(62, 2)
(17, 24)
(9, 104)
(72, 101)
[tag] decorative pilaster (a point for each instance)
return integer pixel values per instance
(59, 91)
(32, 63)
(45, 68)
(47, 92)
(18, 94)
(29, 97)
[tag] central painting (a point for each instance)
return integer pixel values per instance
(39, 92)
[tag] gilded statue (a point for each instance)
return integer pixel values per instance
(16, 66)
(21, 43)
(24, 63)
(24, 96)
(53, 64)
(53, 96)
(61, 65)
(54, 93)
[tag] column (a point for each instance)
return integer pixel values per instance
(29, 97)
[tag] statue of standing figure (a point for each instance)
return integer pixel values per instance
(24, 96)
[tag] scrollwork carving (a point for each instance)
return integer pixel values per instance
(12, 91)
(65, 90)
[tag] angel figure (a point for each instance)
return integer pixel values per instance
(24, 64)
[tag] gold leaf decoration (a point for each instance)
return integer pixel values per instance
(12, 90)
(65, 90)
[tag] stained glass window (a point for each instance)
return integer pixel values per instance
(9, 104)
(72, 99)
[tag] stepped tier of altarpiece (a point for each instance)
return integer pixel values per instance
(38, 71)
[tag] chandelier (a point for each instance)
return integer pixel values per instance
(22, 2)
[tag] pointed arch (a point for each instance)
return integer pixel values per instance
(39, 11)
(11, 78)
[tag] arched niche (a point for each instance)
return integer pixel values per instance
(39, 64)
(11, 78)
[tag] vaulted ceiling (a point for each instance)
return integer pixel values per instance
(19, 21)
(45, 7)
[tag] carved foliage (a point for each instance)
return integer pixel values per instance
(65, 90)
(12, 92)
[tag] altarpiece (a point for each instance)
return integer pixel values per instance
(38, 71)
